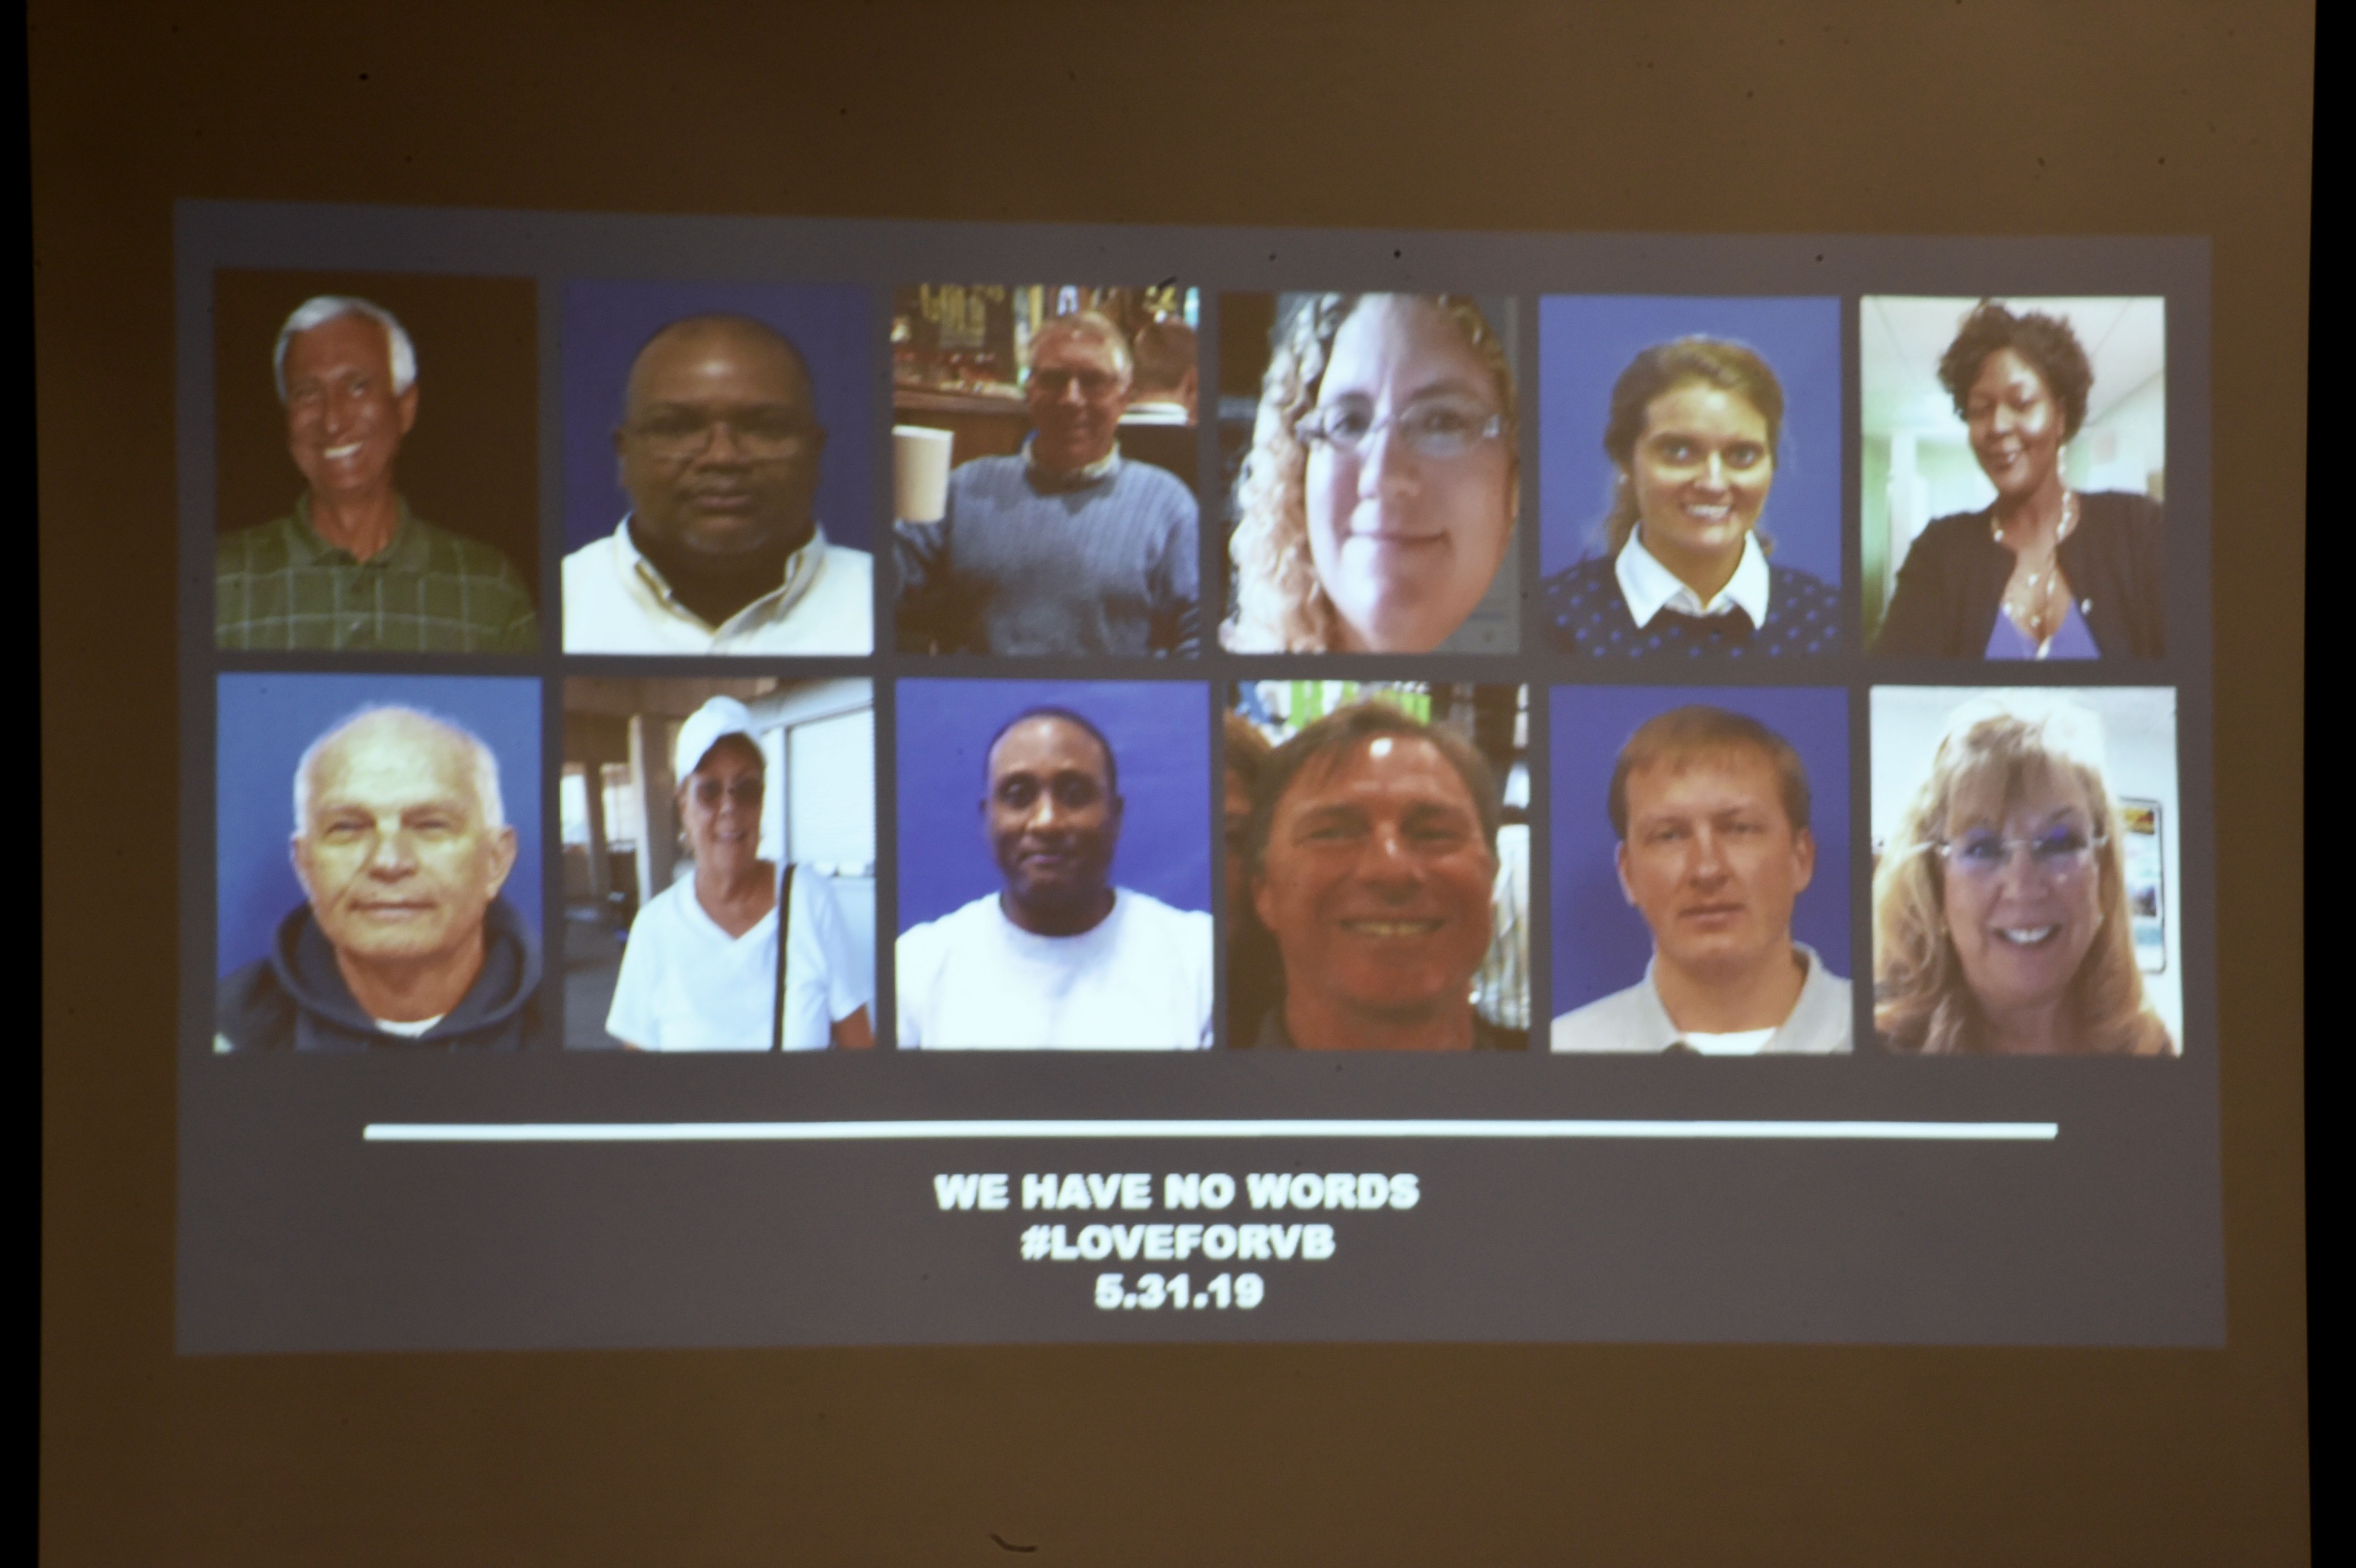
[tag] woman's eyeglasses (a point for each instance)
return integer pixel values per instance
(744, 792)
(1983, 855)
(1441, 430)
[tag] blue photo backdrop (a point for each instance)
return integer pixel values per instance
(1159, 732)
(606, 325)
(1601, 943)
(1586, 340)
(266, 723)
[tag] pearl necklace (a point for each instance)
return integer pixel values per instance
(2031, 604)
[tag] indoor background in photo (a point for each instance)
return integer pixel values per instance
(622, 840)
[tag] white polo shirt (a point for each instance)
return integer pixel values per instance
(1138, 980)
(616, 603)
(687, 985)
(1637, 1020)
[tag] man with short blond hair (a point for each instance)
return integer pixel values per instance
(401, 845)
(1711, 811)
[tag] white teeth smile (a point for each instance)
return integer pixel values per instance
(340, 453)
(2025, 935)
(1390, 927)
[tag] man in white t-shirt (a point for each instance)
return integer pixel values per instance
(722, 552)
(699, 971)
(1711, 809)
(1058, 957)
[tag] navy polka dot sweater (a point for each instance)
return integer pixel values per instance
(1585, 614)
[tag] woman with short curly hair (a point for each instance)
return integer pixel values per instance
(1379, 496)
(2046, 571)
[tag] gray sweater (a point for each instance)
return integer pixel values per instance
(1107, 566)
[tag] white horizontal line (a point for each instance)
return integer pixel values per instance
(1258, 1128)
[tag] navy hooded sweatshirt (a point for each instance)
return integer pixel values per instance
(296, 999)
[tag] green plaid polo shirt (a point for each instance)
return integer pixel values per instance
(281, 586)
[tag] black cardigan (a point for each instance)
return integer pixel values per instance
(1950, 589)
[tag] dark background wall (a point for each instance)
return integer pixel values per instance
(1995, 116)
(472, 461)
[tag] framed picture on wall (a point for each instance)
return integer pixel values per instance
(2146, 907)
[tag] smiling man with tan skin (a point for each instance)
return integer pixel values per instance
(1069, 547)
(719, 448)
(1372, 858)
(402, 846)
(1711, 810)
(351, 568)
(1058, 957)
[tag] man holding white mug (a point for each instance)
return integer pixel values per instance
(1063, 549)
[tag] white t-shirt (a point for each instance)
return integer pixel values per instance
(1139, 980)
(687, 985)
(616, 603)
(1741, 1042)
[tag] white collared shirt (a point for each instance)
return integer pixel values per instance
(1637, 1020)
(1650, 588)
(616, 601)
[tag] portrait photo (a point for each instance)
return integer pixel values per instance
(2013, 476)
(1055, 864)
(1700, 862)
(2027, 874)
(1377, 866)
(376, 463)
(1689, 484)
(1370, 452)
(719, 468)
(718, 863)
(1044, 468)
(378, 853)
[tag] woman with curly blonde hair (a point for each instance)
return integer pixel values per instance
(1999, 906)
(1379, 496)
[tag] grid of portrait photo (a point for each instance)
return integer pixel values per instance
(655, 664)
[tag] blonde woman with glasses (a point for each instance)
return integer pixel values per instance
(2000, 907)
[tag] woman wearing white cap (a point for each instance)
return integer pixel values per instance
(699, 971)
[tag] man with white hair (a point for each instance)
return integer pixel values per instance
(352, 567)
(401, 845)
(1067, 548)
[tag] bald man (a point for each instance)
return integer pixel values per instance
(401, 845)
(719, 448)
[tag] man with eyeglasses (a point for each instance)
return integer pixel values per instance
(1067, 548)
(722, 553)
(1711, 811)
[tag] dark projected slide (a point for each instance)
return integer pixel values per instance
(771, 782)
